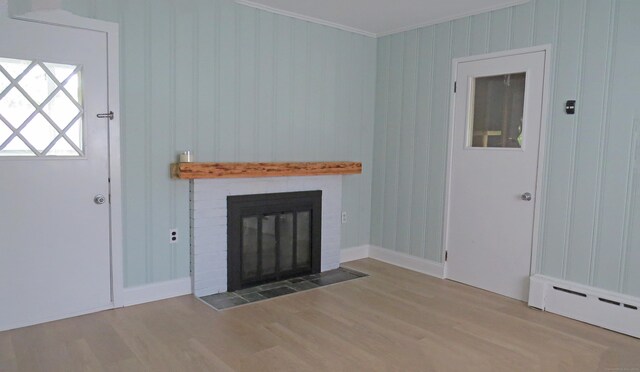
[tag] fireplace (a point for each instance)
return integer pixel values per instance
(272, 237)
(210, 230)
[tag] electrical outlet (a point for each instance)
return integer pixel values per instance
(344, 217)
(173, 236)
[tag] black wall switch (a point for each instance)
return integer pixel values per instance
(570, 108)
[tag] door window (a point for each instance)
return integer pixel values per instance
(496, 111)
(40, 109)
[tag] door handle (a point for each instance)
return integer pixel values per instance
(526, 196)
(99, 199)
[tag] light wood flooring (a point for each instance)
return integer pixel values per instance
(393, 320)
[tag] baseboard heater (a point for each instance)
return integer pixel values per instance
(591, 305)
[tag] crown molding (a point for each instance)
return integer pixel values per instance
(305, 18)
(452, 18)
(372, 34)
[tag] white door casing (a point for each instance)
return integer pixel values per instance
(489, 229)
(55, 254)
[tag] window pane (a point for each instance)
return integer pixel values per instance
(15, 107)
(268, 245)
(303, 243)
(44, 107)
(13, 67)
(37, 84)
(249, 247)
(4, 82)
(286, 242)
(39, 133)
(61, 72)
(496, 111)
(5, 132)
(16, 147)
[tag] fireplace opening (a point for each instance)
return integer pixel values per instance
(272, 237)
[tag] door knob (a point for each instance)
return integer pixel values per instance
(526, 196)
(99, 199)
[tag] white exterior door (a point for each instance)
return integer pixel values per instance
(54, 246)
(493, 172)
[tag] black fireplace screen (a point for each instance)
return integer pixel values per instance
(272, 237)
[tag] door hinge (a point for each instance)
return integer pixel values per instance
(455, 86)
(446, 256)
(108, 115)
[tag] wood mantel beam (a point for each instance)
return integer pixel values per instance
(253, 170)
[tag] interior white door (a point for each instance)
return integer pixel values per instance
(54, 245)
(494, 162)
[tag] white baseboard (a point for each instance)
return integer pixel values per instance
(4, 326)
(606, 309)
(406, 261)
(354, 253)
(156, 291)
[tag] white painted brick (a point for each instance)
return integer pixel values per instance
(208, 243)
(210, 222)
(209, 219)
(217, 230)
(211, 262)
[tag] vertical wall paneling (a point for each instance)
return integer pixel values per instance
(499, 30)
(247, 125)
(107, 10)
(161, 75)
(604, 133)
(407, 133)
(148, 146)
(394, 112)
(442, 86)
(184, 118)
(590, 207)
(266, 93)
(422, 141)
(369, 46)
(631, 278)
(588, 125)
(562, 135)
(479, 43)
(283, 66)
(231, 83)
(227, 72)
(300, 95)
(204, 82)
(522, 21)
(234, 83)
(133, 150)
(383, 56)
(625, 85)
(545, 31)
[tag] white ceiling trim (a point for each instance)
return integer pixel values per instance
(451, 18)
(305, 18)
(371, 34)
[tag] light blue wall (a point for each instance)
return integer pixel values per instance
(233, 84)
(591, 211)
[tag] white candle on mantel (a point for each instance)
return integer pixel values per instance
(186, 157)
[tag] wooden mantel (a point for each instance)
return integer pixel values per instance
(190, 171)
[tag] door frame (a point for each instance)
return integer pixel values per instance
(111, 31)
(539, 194)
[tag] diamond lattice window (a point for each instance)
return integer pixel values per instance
(40, 109)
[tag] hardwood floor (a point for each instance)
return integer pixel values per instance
(393, 320)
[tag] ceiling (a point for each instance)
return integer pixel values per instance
(379, 17)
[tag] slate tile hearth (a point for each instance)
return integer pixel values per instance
(228, 300)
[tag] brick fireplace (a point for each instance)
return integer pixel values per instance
(208, 205)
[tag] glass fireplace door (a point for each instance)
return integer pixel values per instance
(275, 245)
(272, 237)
